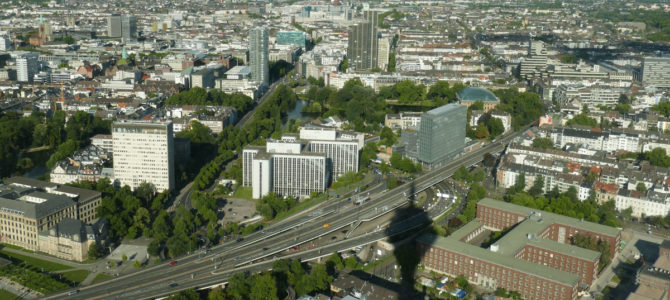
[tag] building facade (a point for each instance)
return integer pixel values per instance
(29, 207)
(144, 152)
(26, 67)
(363, 43)
(441, 134)
(114, 25)
(259, 55)
(291, 38)
(656, 71)
(535, 257)
(128, 27)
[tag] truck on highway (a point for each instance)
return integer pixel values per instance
(360, 201)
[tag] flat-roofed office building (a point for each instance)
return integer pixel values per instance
(144, 152)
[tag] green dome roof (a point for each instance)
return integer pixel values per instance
(477, 94)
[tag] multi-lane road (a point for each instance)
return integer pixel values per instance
(258, 251)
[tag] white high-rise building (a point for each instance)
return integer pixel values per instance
(383, 53)
(144, 151)
(259, 55)
(26, 67)
(656, 71)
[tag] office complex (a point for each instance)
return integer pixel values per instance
(128, 27)
(535, 258)
(656, 71)
(26, 67)
(291, 38)
(114, 25)
(342, 148)
(363, 47)
(299, 166)
(144, 152)
(31, 209)
(123, 26)
(284, 168)
(259, 55)
(536, 61)
(441, 134)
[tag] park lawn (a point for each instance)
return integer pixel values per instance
(76, 276)
(243, 192)
(100, 277)
(4, 294)
(36, 263)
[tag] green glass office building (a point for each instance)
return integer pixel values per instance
(441, 134)
(291, 38)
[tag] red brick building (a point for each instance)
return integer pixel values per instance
(534, 258)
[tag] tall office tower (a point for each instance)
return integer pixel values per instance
(26, 67)
(114, 26)
(259, 55)
(441, 134)
(383, 54)
(144, 151)
(656, 71)
(128, 27)
(536, 61)
(363, 48)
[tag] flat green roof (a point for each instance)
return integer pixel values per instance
(466, 229)
(527, 233)
(472, 251)
(550, 218)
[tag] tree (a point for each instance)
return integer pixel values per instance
(569, 59)
(320, 278)
(627, 213)
(658, 157)
(495, 126)
(216, 294)
(334, 263)
(189, 294)
(641, 187)
(94, 251)
(662, 108)
(538, 186)
(387, 136)
(137, 264)
(264, 287)
(543, 143)
(482, 132)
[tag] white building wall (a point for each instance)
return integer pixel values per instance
(144, 151)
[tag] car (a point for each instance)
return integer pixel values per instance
(172, 263)
(70, 293)
(240, 239)
(172, 284)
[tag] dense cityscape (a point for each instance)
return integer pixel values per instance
(315, 150)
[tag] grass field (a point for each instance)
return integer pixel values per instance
(38, 264)
(7, 295)
(101, 277)
(76, 276)
(243, 192)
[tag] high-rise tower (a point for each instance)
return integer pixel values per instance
(259, 55)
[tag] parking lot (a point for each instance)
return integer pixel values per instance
(236, 210)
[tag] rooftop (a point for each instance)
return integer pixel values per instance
(550, 218)
(477, 94)
(473, 251)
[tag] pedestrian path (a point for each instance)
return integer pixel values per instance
(18, 289)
